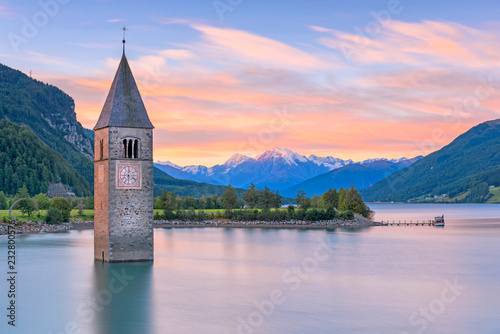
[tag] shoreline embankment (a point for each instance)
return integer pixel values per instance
(357, 222)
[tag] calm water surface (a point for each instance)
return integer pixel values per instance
(377, 280)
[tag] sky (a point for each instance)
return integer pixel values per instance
(350, 79)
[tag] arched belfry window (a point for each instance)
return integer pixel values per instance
(131, 148)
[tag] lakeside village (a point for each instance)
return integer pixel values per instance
(255, 208)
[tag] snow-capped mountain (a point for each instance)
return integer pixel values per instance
(330, 162)
(369, 161)
(277, 153)
(236, 160)
(278, 168)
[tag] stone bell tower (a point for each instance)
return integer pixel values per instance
(123, 174)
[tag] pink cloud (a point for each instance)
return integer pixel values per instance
(241, 46)
(424, 43)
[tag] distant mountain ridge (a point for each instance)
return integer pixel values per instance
(278, 168)
(361, 175)
(467, 166)
(163, 181)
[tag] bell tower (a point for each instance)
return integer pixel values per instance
(123, 174)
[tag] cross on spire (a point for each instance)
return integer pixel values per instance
(124, 30)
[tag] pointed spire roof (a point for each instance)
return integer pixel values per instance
(124, 106)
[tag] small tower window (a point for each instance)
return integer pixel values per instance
(124, 148)
(101, 149)
(131, 148)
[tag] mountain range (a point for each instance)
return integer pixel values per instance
(278, 169)
(360, 175)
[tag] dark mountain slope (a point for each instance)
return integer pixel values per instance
(185, 188)
(50, 114)
(471, 158)
(26, 160)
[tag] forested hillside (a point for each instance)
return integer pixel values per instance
(50, 114)
(26, 160)
(163, 181)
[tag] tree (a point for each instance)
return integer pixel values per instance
(251, 196)
(22, 193)
(170, 202)
(302, 200)
(350, 200)
(277, 200)
(229, 198)
(89, 203)
(330, 199)
(54, 216)
(315, 201)
(63, 205)
(267, 199)
(43, 201)
(28, 206)
(80, 206)
(3, 201)
(161, 200)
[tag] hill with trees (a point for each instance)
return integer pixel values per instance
(165, 182)
(26, 161)
(462, 171)
(50, 114)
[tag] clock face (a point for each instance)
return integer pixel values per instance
(129, 175)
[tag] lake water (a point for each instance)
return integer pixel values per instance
(398, 280)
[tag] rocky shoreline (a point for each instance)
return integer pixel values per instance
(41, 227)
(357, 222)
(294, 224)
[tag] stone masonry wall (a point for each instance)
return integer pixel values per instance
(131, 210)
(101, 195)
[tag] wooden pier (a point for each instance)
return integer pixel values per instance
(421, 222)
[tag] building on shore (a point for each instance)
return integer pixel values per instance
(59, 190)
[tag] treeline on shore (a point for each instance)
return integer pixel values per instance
(57, 210)
(256, 204)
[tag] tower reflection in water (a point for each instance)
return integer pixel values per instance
(122, 297)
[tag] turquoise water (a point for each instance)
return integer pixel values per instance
(206, 280)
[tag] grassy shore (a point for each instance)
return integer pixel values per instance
(40, 215)
(496, 195)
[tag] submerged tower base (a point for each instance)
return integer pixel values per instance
(123, 175)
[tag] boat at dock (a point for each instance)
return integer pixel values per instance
(438, 221)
